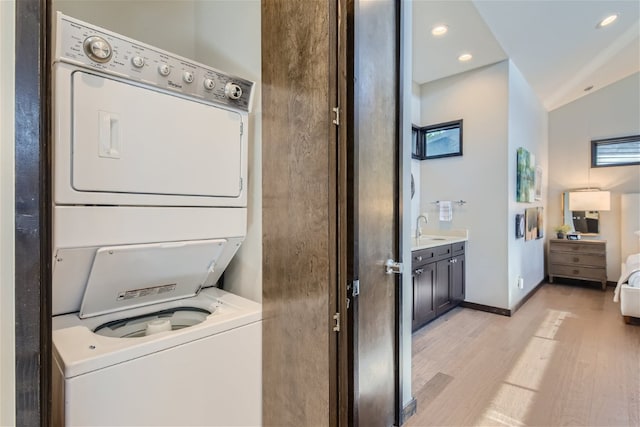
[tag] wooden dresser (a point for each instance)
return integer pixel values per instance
(578, 259)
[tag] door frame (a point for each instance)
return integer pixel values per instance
(348, 229)
(32, 214)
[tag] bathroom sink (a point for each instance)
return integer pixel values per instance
(428, 239)
(433, 238)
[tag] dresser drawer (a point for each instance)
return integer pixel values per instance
(436, 253)
(458, 248)
(589, 260)
(579, 272)
(583, 248)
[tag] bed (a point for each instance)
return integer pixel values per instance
(628, 289)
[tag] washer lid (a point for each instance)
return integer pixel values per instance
(128, 276)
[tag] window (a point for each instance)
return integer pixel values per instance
(615, 151)
(442, 140)
(417, 149)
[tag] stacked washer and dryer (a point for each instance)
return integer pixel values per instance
(150, 205)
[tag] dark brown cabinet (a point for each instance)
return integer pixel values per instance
(438, 281)
(424, 310)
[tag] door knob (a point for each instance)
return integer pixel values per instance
(391, 266)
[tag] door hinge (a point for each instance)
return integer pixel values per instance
(355, 288)
(336, 327)
(336, 121)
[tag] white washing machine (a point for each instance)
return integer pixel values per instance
(150, 206)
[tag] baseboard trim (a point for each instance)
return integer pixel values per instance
(487, 308)
(408, 410)
(529, 295)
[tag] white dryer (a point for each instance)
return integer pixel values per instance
(150, 206)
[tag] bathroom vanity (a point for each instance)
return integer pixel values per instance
(438, 276)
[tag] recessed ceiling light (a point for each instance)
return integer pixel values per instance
(465, 57)
(607, 21)
(439, 30)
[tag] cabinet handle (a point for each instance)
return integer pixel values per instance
(418, 271)
(419, 258)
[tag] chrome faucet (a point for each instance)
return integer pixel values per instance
(418, 229)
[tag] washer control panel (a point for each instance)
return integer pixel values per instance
(92, 47)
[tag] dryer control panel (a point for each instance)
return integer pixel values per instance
(95, 48)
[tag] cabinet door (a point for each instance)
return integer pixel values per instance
(442, 295)
(424, 278)
(457, 279)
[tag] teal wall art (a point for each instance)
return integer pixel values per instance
(526, 175)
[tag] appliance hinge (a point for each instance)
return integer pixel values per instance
(336, 121)
(355, 287)
(336, 327)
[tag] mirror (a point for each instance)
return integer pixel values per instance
(585, 222)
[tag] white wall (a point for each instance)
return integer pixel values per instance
(629, 225)
(224, 34)
(7, 215)
(167, 24)
(479, 176)
(228, 36)
(528, 128)
(408, 114)
(608, 112)
(415, 164)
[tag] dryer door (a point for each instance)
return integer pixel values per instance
(130, 139)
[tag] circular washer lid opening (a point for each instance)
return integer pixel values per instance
(171, 319)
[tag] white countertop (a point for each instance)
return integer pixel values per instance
(433, 238)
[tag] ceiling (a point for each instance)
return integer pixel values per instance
(555, 44)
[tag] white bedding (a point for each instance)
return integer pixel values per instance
(630, 275)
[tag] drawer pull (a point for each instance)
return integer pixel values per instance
(418, 271)
(576, 259)
(576, 271)
(419, 258)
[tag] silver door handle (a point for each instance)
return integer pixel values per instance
(391, 266)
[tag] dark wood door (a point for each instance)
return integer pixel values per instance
(374, 209)
(443, 286)
(299, 213)
(424, 278)
(457, 279)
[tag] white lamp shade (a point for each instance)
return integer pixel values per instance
(590, 201)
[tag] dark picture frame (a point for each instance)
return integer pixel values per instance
(442, 140)
(519, 226)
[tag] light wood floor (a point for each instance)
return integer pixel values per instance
(565, 358)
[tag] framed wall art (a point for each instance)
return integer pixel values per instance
(525, 185)
(519, 226)
(531, 224)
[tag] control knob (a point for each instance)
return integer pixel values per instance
(232, 91)
(208, 84)
(97, 49)
(164, 70)
(187, 76)
(137, 61)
